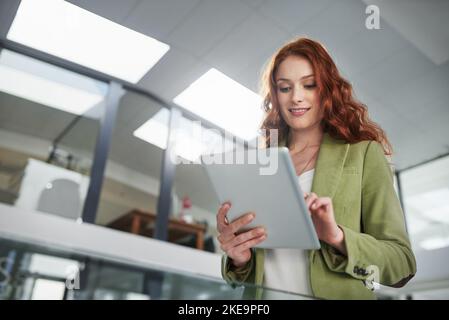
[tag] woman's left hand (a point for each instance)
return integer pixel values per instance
(322, 213)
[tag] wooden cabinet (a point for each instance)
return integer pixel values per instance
(143, 223)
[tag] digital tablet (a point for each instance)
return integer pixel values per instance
(264, 181)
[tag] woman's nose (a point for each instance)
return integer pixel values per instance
(298, 95)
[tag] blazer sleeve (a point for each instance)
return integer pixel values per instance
(235, 276)
(382, 248)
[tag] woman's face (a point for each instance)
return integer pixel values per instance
(297, 93)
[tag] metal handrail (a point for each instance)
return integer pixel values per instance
(100, 76)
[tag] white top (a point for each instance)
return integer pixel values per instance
(288, 269)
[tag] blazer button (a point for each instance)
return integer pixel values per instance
(356, 270)
(363, 272)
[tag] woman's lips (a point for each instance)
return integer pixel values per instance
(297, 112)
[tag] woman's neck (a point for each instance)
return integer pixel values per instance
(302, 139)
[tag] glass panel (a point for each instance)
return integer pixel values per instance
(194, 200)
(425, 193)
(131, 187)
(31, 271)
(41, 104)
(130, 190)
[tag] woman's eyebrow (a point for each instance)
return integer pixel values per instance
(302, 78)
(308, 76)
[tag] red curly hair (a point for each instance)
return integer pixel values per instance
(344, 118)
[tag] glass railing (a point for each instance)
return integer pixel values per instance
(50, 127)
(49, 123)
(33, 271)
(36, 271)
(48, 257)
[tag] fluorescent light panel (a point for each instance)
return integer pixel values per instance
(225, 102)
(48, 85)
(189, 145)
(67, 31)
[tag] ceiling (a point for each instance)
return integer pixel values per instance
(404, 89)
(401, 75)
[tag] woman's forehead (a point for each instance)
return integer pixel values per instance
(294, 68)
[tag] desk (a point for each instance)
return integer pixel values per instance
(143, 223)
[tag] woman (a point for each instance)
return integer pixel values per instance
(340, 159)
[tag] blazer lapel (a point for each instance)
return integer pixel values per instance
(328, 171)
(329, 166)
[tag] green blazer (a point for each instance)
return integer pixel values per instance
(359, 180)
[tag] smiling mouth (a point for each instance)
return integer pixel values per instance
(298, 111)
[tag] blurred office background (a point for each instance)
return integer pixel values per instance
(87, 91)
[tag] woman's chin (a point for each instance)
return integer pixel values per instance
(302, 124)
(298, 126)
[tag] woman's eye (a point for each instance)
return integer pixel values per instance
(310, 86)
(284, 89)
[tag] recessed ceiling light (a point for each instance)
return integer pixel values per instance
(49, 85)
(67, 31)
(225, 102)
(192, 140)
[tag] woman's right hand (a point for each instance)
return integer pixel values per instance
(238, 246)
